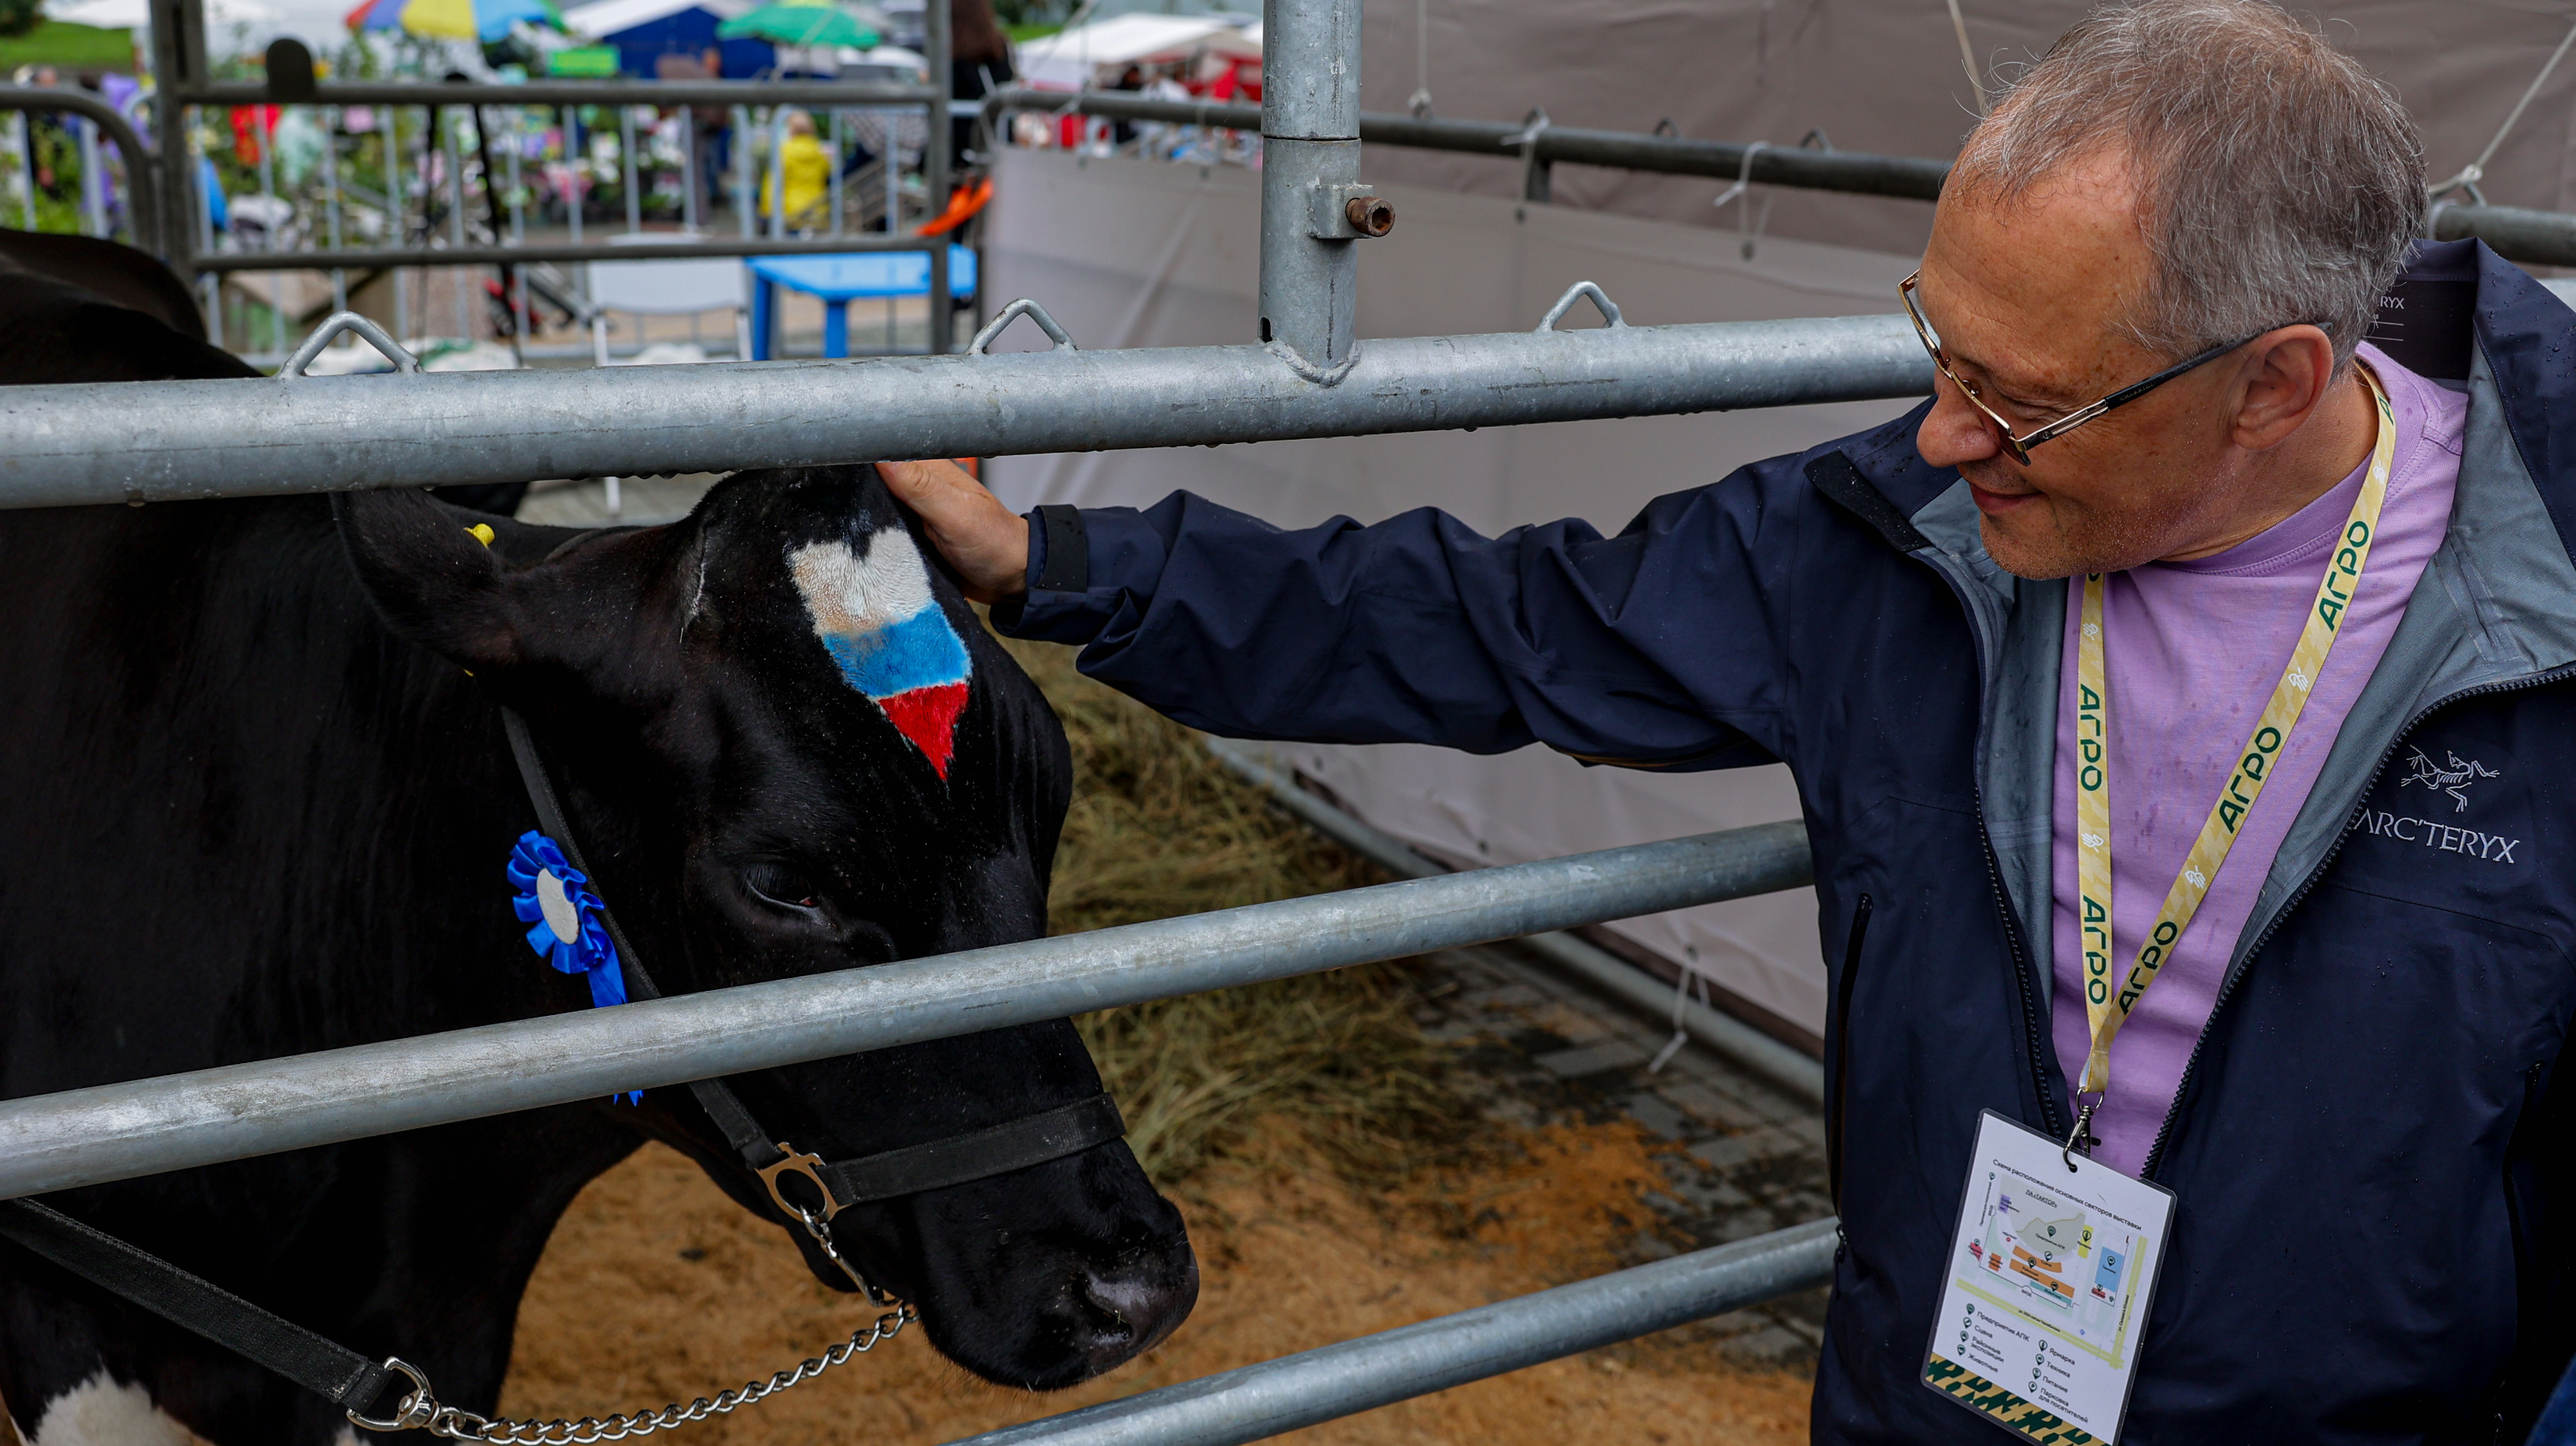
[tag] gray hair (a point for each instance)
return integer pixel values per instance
(2278, 181)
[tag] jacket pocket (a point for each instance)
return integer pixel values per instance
(1839, 1073)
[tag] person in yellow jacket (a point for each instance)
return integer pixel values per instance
(805, 176)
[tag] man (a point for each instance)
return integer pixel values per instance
(2327, 826)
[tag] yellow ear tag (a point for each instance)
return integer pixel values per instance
(481, 532)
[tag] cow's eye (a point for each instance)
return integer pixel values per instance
(778, 884)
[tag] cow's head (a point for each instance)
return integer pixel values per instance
(788, 747)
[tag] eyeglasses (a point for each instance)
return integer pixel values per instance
(2017, 446)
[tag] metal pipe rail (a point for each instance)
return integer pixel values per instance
(1907, 177)
(176, 1122)
(1275, 1396)
(1794, 1072)
(141, 160)
(2539, 238)
(356, 258)
(172, 441)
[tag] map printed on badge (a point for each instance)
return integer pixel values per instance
(2048, 1280)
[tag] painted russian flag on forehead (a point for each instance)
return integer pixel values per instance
(877, 616)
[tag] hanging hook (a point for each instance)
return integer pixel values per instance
(367, 331)
(1609, 309)
(1019, 308)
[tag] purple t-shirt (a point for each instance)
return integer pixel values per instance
(2191, 653)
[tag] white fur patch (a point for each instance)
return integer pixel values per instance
(102, 1412)
(852, 595)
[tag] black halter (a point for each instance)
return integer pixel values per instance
(1050, 1134)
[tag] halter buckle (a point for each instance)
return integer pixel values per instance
(793, 1161)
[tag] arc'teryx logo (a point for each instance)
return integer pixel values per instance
(2454, 780)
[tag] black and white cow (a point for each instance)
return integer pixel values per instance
(259, 801)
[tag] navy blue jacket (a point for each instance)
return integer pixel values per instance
(2376, 1213)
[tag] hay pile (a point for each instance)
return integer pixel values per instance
(1332, 1062)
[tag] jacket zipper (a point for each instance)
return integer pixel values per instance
(2035, 1038)
(2227, 986)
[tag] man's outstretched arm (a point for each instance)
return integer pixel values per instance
(1655, 647)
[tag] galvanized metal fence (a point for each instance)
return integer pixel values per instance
(149, 443)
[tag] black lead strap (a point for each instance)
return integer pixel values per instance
(341, 1375)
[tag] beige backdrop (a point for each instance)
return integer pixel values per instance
(1138, 253)
(1885, 76)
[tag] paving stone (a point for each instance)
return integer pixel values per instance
(1590, 1059)
(1652, 1112)
(1715, 1106)
(1733, 1151)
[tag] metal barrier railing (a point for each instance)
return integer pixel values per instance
(138, 156)
(143, 442)
(176, 1122)
(183, 69)
(2540, 238)
(1351, 1376)
(116, 1132)
(174, 441)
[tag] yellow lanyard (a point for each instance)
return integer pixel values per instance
(2108, 1004)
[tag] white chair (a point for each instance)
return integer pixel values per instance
(681, 286)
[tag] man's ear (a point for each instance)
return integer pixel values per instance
(434, 579)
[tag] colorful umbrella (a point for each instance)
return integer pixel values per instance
(485, 20)
(798, 24)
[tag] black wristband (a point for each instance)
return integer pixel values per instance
(1067, 567)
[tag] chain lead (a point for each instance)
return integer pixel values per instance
(421, 1409)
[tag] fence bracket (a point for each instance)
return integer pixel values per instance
(367, 331)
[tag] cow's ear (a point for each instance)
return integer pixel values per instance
(433, 575)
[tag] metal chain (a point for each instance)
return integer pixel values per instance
(458, 1425)
(420, 1409)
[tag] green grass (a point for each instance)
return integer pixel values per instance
(1333, 1062)
(71, 47)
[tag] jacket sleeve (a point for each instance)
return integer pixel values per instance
(1655, 648)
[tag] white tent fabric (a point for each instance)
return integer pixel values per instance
(1885, 76)
(609, 17)
(136, 14)
(1093, 54)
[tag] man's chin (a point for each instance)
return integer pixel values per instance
(2022, 555)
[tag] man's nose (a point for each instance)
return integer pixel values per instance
(1954, 432)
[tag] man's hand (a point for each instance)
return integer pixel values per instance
(986, 542)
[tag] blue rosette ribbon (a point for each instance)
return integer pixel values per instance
(554, 900)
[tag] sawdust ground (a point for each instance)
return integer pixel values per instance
(657, 1288)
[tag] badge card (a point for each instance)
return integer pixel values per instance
(2047, 1285)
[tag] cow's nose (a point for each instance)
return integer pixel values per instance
(1135, 1304)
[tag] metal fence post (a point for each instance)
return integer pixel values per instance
(633, 170)
(1310, 145)
(178, 51)
(935, 162)
(332, 116)
(26, 163)
(742, 169)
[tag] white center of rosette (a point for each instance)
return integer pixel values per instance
(554, 899)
